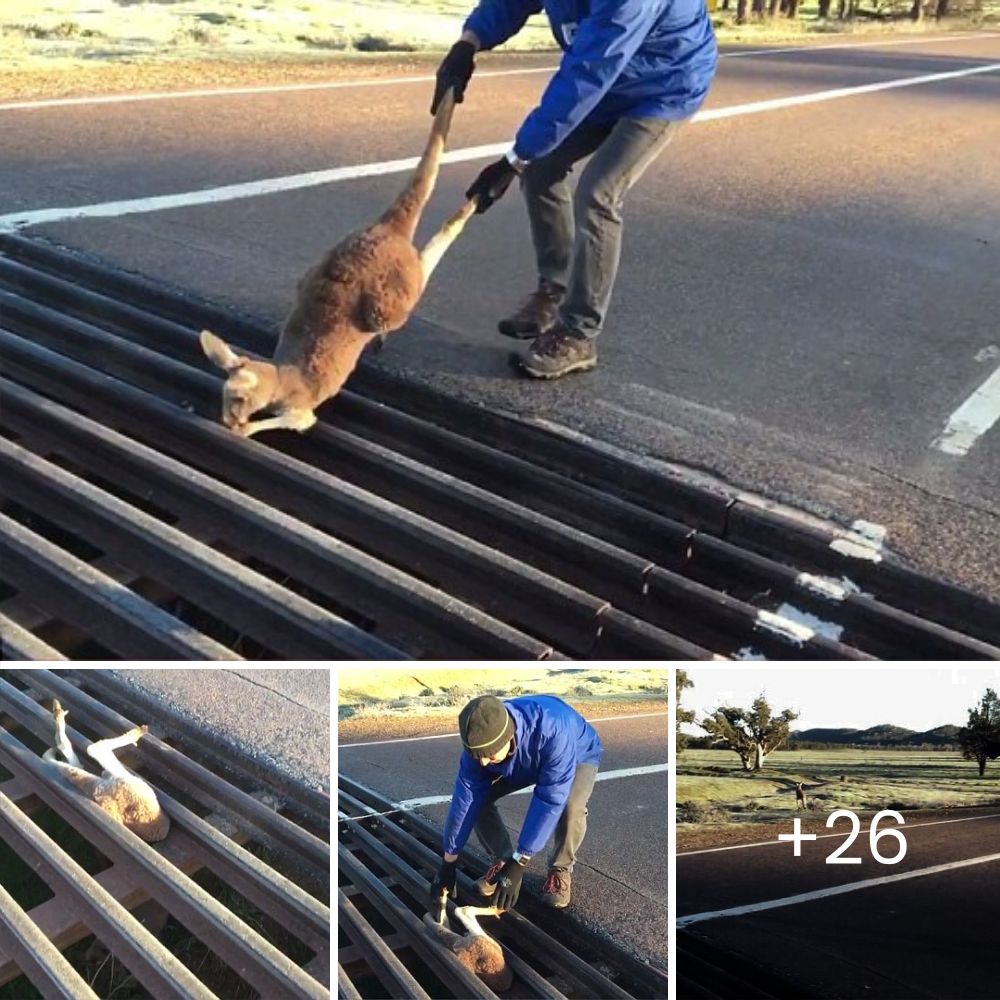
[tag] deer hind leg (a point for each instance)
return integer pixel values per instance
(103, 751)
(61, 741)
(291, 420)
(439, 243)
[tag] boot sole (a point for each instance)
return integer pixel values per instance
(579, 366)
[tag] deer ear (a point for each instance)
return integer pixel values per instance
(219, 352)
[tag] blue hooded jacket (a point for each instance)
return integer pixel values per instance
(550, 739)
(622, 59)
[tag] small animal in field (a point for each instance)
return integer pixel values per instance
(477, 951)
(124, 796)
(365, 287)
(800, 796)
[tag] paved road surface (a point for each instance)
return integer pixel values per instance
(279, 716)
(931, 936)
(808, 293)
(620, 879)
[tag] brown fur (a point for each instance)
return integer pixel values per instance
(124, 796)
(481, 955)
(365, 287)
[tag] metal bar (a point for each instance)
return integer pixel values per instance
(242, 948)
(454, 975)
(281, 620)
(17, 643)
(270, 890)
(392, 974)
(113, 614)
(545, 605)
(513, 926)
(368, 800)
(35, 954)
(426, 617)
(165, 759)
(121, 695)
(345, 988)
(162, 974)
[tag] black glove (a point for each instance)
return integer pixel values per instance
(491, 184)
(445, 880)
(508, 885)
(455, 71)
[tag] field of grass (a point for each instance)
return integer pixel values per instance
(713, 789)
(66, 32)
(400, 693)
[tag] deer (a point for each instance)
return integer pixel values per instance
(124, 796)
(362, 289)
(476, 950)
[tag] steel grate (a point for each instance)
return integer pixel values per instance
(290, 822)
(385, 863)
(405, 525)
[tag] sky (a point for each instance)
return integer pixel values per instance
(846, 696)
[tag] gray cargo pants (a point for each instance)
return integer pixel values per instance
(578, 238)
(570, 829)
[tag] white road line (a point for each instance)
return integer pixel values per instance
(972, 419)
(20, 220)
(285, 88)
(448, 736)
(838, 890)
(625, 772)
(825, 836)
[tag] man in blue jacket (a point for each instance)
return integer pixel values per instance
(509, 745)
(632, 72)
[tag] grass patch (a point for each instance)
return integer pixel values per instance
(859, 780)
(362, 692)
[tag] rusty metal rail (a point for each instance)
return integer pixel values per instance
(386, 862)
(406, 524)
(207, 832)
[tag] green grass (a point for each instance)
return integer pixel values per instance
(874, 780)
(365, 692)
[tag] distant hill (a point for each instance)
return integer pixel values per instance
(884, 735)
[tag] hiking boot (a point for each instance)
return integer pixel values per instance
(557, 352)
(555, 892)
(537, 315)
(486, 885)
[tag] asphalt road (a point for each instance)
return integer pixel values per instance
(620, 877)
(279, 716)
(808, 293)
(931, 936)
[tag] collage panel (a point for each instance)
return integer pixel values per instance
(503, 832)
(838, 833)
(164, 832)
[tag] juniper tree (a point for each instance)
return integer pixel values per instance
(681, 683)
(751, 733)
(980, 739)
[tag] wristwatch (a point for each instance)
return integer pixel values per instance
(521, 859)
(515, 161)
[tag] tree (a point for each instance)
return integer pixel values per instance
(980, 739)
(751, 733)
(681, 683)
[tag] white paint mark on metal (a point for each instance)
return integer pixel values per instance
(819, 626)
(768, 621)
(827, 587)
(864, 541)
(748, 653)
(972, 419)
(990, 353)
